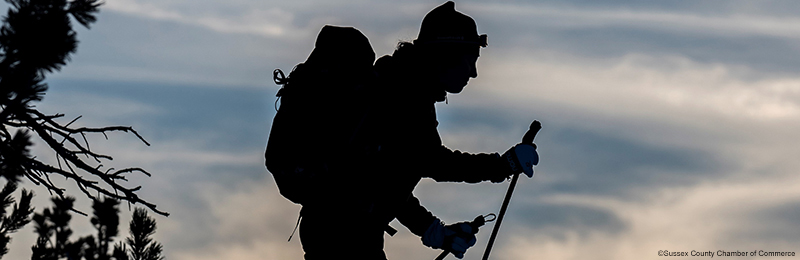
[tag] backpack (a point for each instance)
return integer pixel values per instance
(322, 107)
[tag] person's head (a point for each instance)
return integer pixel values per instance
(448, 42)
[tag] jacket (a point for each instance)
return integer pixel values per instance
(410, 148)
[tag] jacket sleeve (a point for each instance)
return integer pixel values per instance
(411, 141)
(414, 216)
(446, 165)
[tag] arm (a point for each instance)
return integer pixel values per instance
(456, 166)
(414, 216)
(455, 238)
(410, 139)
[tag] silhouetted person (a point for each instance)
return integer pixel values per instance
(402, 145)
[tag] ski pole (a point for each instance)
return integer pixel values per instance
(475, 224)
(526, 139)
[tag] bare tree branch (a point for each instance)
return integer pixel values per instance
(37, 38)
(128, 194)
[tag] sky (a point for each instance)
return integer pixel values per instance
(667, 125)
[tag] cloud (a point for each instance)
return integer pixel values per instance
(273, 19)
(559, 221)
(87, 103)
(182, 162)
(647, 144)
(730, 24)
(730, 113)
(273, 22)
(584, 117)
(203, 43)
(251, 221)
(672, 83)
(774, 221)
(701, 218)
(216, 181)
(628, 168)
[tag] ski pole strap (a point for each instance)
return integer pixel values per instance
(475, 224)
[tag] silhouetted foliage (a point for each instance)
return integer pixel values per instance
(53, 243)
(37, 38)
(52, 225)
(142, 245)
(106, 221)
(19, 217)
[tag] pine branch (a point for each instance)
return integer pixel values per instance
(37, 38)
(20, 214)
(142, 246)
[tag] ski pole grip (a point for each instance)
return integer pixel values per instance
(532, 130)
(476, 223)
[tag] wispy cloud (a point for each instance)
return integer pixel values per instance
(732, 24)
(702, 218)
(273, 22)
(644, 86)
(643, 150)
(277, 21)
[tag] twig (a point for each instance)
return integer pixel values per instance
(45, 131)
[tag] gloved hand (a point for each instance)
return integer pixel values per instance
(521, 158)
(456, 238)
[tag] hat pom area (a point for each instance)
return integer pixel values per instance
(444, 24)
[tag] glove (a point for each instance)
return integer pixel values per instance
(521, 158)
(456, 238)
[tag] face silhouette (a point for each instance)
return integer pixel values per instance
(456, 74)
